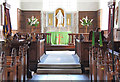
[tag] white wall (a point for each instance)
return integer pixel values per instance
(31, 5)
(87, 6)
(13, 12)
(105, 12)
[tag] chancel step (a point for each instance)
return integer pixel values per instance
(59, 66)
(60, 47)
(59, 71)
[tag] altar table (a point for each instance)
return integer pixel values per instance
(59, 38)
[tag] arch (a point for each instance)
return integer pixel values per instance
(56, 20)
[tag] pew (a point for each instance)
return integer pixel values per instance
(101, 64)
(82, 50)
(36, 50)
(9, 68)
(25, 69)
(36, 43)
(2, 62)
(14, 63)
(25, 39)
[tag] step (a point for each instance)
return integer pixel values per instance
(60, 66)
(60, 47)
(59, 71)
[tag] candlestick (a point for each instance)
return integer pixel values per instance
(49, 21)
(68, 21)
(49, 25)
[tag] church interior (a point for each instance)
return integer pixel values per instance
(59, 40)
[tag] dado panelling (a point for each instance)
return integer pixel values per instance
(23, 21)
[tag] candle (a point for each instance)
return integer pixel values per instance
(68, 21)
(49, 21)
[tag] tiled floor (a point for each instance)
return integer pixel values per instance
(60, 57)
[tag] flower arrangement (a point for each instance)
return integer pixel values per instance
(86, 22)
(33, 21)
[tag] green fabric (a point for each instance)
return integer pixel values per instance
(58, 38)
(93, 39)
(100, 38)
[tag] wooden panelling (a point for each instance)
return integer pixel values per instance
(91, 15)
(19, 18)
(23, 20)
(99, 17)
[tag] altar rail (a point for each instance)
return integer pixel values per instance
(47, 37)
(73, 36)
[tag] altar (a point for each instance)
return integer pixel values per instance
(59, 38)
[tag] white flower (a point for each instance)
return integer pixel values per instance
(86, 19)
(28, 19)
(91, 20)
(86, 22)
(33, 21)
(32, 18)
(81, 21)
(82, 24)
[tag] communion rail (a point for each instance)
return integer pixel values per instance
(48, 45)
(72, 37)
(47, 37)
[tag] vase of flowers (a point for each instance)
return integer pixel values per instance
(86, 22)
(33, 22)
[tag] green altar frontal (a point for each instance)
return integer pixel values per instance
(59, 38)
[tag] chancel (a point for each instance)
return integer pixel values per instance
(59, 40)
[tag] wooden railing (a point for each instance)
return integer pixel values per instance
(73, 36)
(47, 37)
